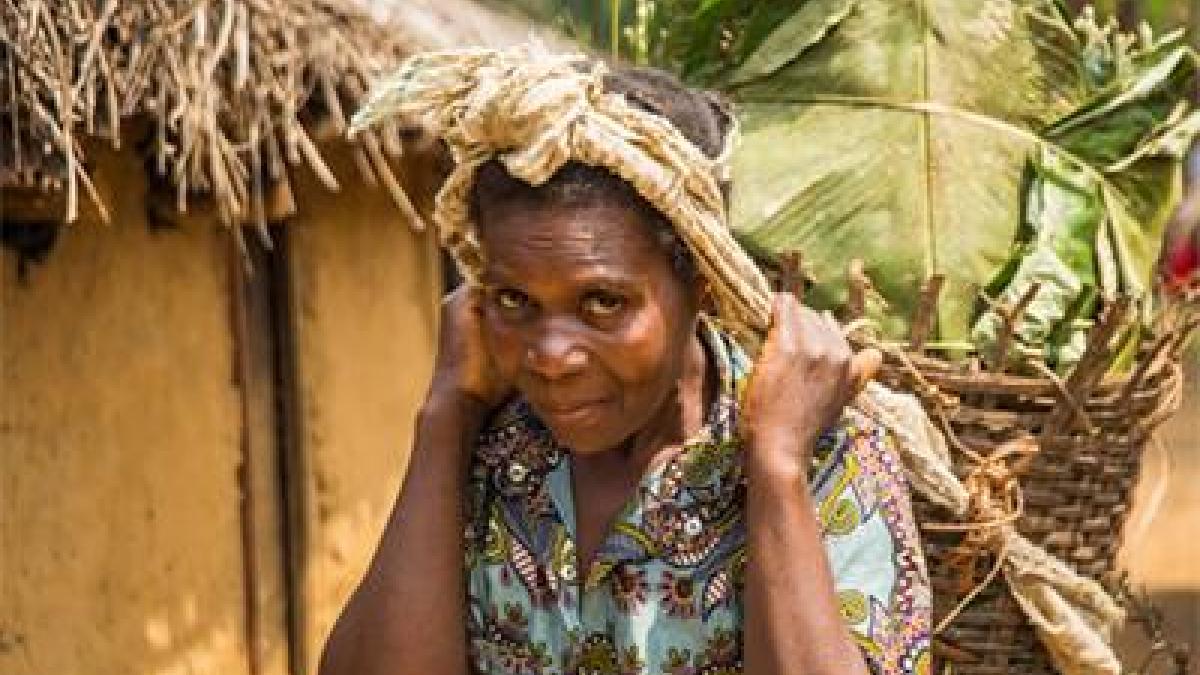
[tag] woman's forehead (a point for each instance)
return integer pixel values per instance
(550, 274)
(598, 236)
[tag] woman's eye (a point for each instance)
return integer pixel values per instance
(603, 304)
(510, 300)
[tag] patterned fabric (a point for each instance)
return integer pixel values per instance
(663, 594)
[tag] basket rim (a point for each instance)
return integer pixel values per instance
(954, 376)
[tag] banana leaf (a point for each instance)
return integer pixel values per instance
(995, 142)
(903, 135)
(1094, 223)
(1055, 250)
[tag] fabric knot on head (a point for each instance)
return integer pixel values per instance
(534, 112)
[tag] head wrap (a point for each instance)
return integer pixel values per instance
(535, 111)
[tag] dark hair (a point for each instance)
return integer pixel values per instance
(702, 117)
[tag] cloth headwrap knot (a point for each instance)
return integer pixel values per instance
(534, 112)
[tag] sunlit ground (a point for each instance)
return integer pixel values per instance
(1163, 543)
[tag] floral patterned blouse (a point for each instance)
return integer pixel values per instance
(663, 594)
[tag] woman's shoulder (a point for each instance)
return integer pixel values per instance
(856, 443)
(857, 477)
(873, 542)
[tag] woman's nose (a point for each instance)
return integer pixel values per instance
(556, 354)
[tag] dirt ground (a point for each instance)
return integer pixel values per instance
(1162, 537)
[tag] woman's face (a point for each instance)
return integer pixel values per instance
(586, 317)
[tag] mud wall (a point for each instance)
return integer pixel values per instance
(126, 423)
(120, 548)
(366, 291)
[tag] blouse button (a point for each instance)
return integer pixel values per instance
(517, 472)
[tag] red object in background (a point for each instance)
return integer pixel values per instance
(1181, 266)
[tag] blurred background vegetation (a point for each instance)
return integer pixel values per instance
(592, 21)
(713, 44)
(625, 28)
(1161, 14)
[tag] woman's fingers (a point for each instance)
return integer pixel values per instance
(476, 298)
(864, 366)
(794, 323)
(779, 336)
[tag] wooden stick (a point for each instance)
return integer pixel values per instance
(93, 45)
(318, 165)
(93, 195)
(857, 300)
(791, 276)
(922, 322)
(1184, 333)
(1094, 362)
(1011, 318)
(15, 115)
(281, 201)
(110, 90)
(333, 103)
(364, 165)
(224, 33)
(1151, 361)
(399, 196)
(389, 134)
(241, 67)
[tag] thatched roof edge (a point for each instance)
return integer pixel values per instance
(232, 93)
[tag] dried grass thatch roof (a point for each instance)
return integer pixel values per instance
(225, 94)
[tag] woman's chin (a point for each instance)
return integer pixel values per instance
(582, 441)
(585, 437)
(575, 427)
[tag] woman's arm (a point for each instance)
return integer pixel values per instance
(803, 378)
(792, 620)
(408, 614)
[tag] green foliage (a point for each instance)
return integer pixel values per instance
(996, 142)
(1093, 225)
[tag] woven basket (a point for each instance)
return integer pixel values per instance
(1090, 430)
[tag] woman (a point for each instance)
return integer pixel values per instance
(633, 501)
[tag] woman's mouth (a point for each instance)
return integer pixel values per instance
(571, 414)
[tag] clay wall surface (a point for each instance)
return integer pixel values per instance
(366, 293)
(120, 543)
(149, 524)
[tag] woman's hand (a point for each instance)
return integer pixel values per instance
(409, 616)
(805, 374)
(464, 371)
